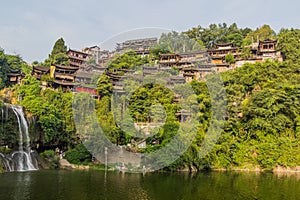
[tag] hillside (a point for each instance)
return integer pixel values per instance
(261, 123)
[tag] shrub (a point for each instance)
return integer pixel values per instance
(5, 150)
(49, 159)
(78, 155)
(48, 154)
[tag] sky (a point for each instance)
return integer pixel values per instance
(30, 28)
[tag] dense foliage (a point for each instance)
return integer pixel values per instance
(222, 33)
(8, 63)
(53, 110)
(262, 121)
(178, 42)
(58, 54)
(79, 154)
(128, 60)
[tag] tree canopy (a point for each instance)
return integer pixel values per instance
(262, 33)
(58, 54)
(262, 121)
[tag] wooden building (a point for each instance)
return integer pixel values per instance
(86, 89)
(77, 58)
(83, 77)
(119, 88)
(193, 57)
(39, 71)
(176, 98)
(114, 77)
(176, 81)
(150, 70)
(183, 115)
(267, 49)
(140, 46)
(94, 52)
(14, 76)
(261, 51)
(105, 56)
(222, 67)
(169, 60)
(64, 77)
(218, 54)
(196, 73)
(184, 60)
(93, 68)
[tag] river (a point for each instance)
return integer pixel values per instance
(89, 185)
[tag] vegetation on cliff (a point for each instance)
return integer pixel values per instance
(262, 127)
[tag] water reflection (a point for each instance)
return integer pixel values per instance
(22, 188)
(89, 185)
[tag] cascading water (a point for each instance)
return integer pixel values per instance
(23, 159)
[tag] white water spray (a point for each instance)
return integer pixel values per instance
(23, 157)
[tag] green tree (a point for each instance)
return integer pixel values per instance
(288, 44)
(218, 33)
(229, 58)
(79, 155)
(156, 51)
(177, 43)
(59, 53)
(61, 58)
(246, 52)
(127, 60)
(4, 69)
(15, 62)
(262, 33)
(104, 86)
(59, 47)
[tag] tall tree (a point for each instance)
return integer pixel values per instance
(59, 53)
(177, 43)
(288, 43)
(218, 33)
(4, 68)
(104, 86)
(128, 60)
(262, 33)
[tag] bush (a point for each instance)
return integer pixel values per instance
(79, 155)
(49, 159)
(48, 154)
(5, 150)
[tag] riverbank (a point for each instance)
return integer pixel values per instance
(64, 164)
(278, 169)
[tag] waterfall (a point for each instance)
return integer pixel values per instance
(2, 117)
(6, 112)
(23, 159)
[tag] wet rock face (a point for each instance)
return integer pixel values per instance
(22, 158)
(9, 128)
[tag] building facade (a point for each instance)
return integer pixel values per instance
(77, 58)
(140, 46)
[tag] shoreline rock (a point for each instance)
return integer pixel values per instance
(64, 164)
(281, 169)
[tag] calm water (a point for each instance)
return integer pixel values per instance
(88, 185)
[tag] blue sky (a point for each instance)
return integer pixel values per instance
(31, 27)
